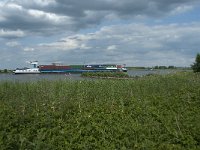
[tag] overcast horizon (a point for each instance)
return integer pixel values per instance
(132, 32)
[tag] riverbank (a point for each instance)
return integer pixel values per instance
(153, 112)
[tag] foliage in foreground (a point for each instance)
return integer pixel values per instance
(154, 112)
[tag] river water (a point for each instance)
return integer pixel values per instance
(36, 77)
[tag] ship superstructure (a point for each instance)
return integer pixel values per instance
(25, 70)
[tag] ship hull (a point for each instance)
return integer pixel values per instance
(26, 71)
(76, 71)
(79, 69)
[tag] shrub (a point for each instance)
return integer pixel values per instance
(105, 74)
(154, 112)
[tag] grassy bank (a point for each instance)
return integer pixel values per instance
(153, 112)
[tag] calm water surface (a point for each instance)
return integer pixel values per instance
(36, 77)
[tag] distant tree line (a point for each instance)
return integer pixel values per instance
(5, 71)
(164, 67)
(154, 67)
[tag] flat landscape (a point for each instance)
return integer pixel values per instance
(150, 112)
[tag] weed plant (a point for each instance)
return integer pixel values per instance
(152, 112)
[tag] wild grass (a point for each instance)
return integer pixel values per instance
(152, 112)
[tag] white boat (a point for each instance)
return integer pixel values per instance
(34, 70)
(124, 69)
(26, 71)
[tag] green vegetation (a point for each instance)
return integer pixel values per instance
(131, 68)
(76, 66)
(5, 71)
(105, 74)
(196, 65)
(165, 67)
(152, 112)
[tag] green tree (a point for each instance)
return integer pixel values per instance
(196, 65)
(171, 67)
(5, 70)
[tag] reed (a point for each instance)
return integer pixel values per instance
(152, 112)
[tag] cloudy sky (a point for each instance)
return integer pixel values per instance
(131, 32)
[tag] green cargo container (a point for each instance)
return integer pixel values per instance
(76, 66)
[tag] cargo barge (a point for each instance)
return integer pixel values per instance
(59, 68)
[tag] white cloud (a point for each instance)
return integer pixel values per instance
(67, 44)
(28, 49)
(41, 3)
(112, 47)
(13, 44)
(13, 6)
(11, 34)
(181, 9)
(50, 17)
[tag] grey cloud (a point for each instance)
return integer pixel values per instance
(125, 7)
(32, 21)
(54, 16)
